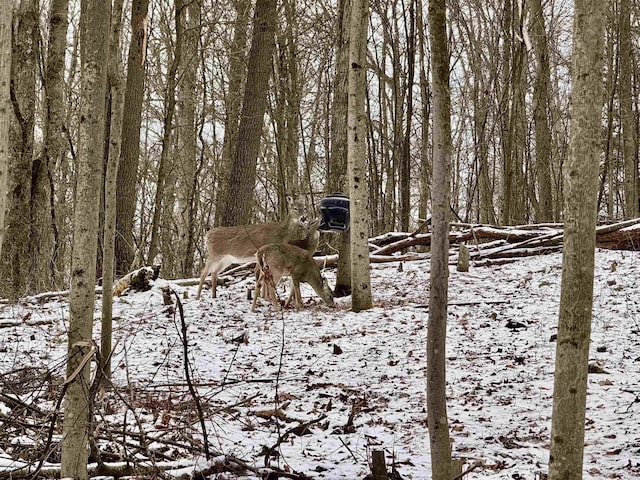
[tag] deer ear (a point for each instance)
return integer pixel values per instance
(289, 199)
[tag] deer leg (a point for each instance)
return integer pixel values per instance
(296, 294)
(259, 283)
(203, 276)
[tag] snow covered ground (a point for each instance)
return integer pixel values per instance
(358, 379)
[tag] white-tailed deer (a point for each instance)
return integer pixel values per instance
(238, 244)
(277, 259)
(311, 240)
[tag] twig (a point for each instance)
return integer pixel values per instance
(194, 392)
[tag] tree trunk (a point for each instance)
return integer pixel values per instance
(541, 114)
(5, 107)
(239, 188)
(186, 131)
(167, 136)
(94, 29)
(54, 141)
(130, 153)
(111, 175)
(233, 100)
(361, 298)
(425, 96)
(15, 262)
(337, 166)
(576, 297)
(405, 159)
(439, 440)
(626, 112)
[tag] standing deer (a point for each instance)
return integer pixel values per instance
(238, 244)
(275, 260)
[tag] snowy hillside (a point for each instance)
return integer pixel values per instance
(313, 392)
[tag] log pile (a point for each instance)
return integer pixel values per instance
(496, 242)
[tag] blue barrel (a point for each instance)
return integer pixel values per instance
(334, 209)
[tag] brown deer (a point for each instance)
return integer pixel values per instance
(238, 244)
(277, 259)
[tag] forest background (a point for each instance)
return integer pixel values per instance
(179, 70)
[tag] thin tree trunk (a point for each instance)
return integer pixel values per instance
(5, 107)
(130, 152)
(425, 96)
(169, 108)
(337, 175)
(241, 184)
(576, 297)
(94, 29)
(55, 141)
(541, 114)
(186, 132)
(405, 162)
(361, 298)
(439, 440)
(626, 112)
(111, 175)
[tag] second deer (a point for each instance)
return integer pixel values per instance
(277, 259)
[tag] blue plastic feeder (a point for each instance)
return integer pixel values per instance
(334, 209)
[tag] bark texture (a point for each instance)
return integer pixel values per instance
(361, 298)
(94, 31)
(239, 188)
(5, 107)
(130, 150)
(439, 441)
(576, 298)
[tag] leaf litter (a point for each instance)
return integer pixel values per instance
(315, 391)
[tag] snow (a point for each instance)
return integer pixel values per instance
(326, 365)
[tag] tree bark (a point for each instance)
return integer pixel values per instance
(541, 114)
(111, 175)
(239, 188)
(576, 297)
(361, 298)
(186, 132)
(94, 30)
(54, 142)
(167, 135)
(15, 263)
(626, 112)
(130, 152)
(233, 101)
(439, 440)
(5, 107)
(337, 166)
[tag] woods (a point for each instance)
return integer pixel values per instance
(185, 94)
(140, 133)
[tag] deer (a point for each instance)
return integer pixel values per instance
(277, 259)
(238, 244)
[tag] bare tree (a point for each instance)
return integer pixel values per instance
(116, 93)
(168, 126)
(130, 153)
(5, 106)
(361, 298)
(94, 28)
(576, 297)
(541, 113)
(15, 263)
(239, 188)
(439, 439)
(337, 165)
(626, 112)
(233, 101)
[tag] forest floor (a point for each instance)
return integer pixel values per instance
(314, 392)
